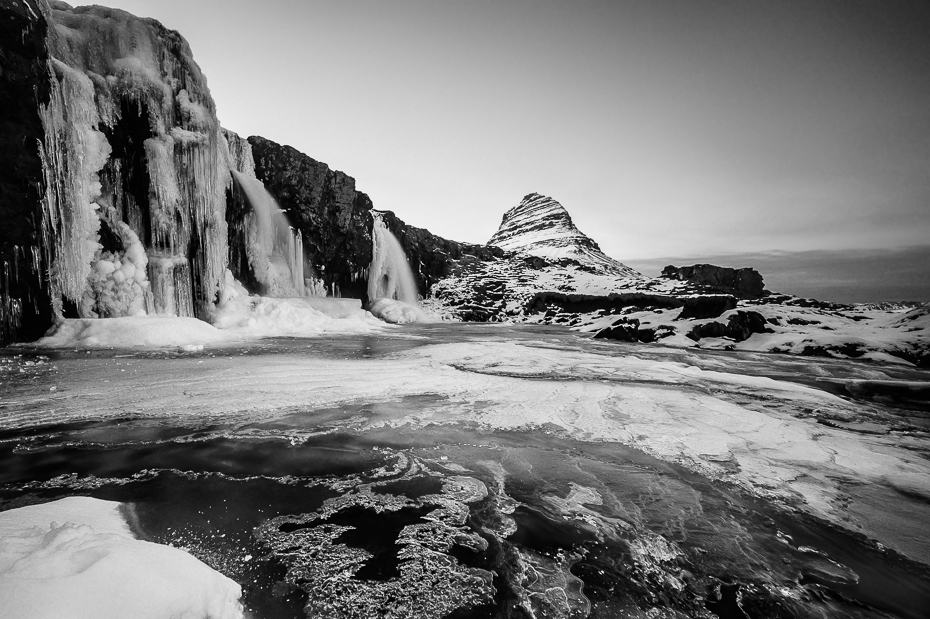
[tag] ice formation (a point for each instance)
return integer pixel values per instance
(398, 312)
(275, 251)
(76, 558)
(133, 159)
(389, 276)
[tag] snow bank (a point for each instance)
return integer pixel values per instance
(131, 332)
(398, 312)
(250, 316)
(76, 558)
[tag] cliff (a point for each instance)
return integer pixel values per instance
(25, 306)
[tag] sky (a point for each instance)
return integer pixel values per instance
(685, 128)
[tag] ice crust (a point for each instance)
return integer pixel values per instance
(76, 558)
(760, 434)
(241, 319)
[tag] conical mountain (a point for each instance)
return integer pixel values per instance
(540, 226)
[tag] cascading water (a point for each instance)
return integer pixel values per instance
(389, 276)
(275, 252)
(392, 290)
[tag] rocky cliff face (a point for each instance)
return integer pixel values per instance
(540, 226)
(335, 221)
(333, 217)
(743, 283)
(25, 306)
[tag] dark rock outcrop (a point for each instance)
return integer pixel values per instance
(706, 306)
(693, 306)
(623, 330)
(333, 217)
(25, 307)
(740, 327)
(743, 283)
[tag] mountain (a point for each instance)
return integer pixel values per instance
(540, 226)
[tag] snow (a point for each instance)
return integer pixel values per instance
(118, 283)
(398, 312)
(251, 316)
(76, 558)
(241, 319)
(131, 332)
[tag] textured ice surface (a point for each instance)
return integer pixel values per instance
(720, 415)
(76, 558)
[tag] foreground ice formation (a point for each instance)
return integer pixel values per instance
(76, 558)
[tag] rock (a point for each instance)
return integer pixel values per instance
(332, 216)
(740, 326)
(25, 305)
(706, 306)
(745, 283)
(624, 330)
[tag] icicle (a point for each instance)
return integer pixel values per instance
(171, 285)
(73, 153)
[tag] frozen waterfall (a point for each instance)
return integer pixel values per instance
(275, 252)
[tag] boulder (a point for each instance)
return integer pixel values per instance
(740, 326)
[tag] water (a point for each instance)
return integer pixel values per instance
(275, 251)
(299, 468)
(389, 276)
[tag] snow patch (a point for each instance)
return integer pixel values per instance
(131, 332)
(76, 558)
(398, 312)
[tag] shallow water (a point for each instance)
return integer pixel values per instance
(340, 503)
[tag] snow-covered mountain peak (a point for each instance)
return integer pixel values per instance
(540, 226)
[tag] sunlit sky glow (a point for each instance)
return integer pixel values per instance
(666, 128)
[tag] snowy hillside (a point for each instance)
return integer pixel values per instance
(540, 226)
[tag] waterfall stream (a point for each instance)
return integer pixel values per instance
(275, 251)
(389, 276)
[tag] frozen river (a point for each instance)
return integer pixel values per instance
(495, 471)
